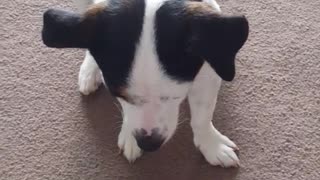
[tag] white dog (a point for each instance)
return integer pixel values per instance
(152, 54)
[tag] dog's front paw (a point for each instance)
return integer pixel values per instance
(129, 147)
(218, 149)
(89, 79)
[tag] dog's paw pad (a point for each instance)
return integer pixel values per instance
(129, 147)
(89, 81)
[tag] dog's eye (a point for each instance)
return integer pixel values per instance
(169, 99)
(164, 98)
(140, 101)
(177, 98)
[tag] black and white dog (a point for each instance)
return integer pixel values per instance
(152, 54)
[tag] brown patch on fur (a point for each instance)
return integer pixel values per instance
(88, 21)
(200, 9)
(95, 9)
(122, 93)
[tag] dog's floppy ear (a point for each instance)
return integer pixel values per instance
(64, 29)
(217, 38)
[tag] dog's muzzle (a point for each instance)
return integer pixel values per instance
(149, 142)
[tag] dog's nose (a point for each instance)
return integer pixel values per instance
(149, 142)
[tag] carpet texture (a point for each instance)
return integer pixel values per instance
(271, 110)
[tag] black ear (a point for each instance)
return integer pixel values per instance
(217, 39)
(63, 29)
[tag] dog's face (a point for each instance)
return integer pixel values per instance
(149, 52)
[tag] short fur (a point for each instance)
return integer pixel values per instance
(152, 54)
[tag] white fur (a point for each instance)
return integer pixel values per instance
(149, 89)
(216, 148)
(89, 76)
(213, 3)
(127, 143)
(149, 84)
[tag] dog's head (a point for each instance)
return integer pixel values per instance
(149, 53)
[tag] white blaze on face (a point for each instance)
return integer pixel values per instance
(159, 95)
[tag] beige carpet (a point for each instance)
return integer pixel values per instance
(271, 110)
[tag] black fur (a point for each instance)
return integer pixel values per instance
(184, 40)
(218, 40)
(172, 34)
(110, 35)
(63, 29)
(118, 33)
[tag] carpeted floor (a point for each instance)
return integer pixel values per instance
(271, 110)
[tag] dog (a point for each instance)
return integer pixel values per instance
(151, 55)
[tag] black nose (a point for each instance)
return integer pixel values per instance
(149, 142)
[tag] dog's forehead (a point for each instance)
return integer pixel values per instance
(140, 46)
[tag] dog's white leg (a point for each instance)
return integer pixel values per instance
(214, 4)
(127, 143)
(216, 148)
(90, 76)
